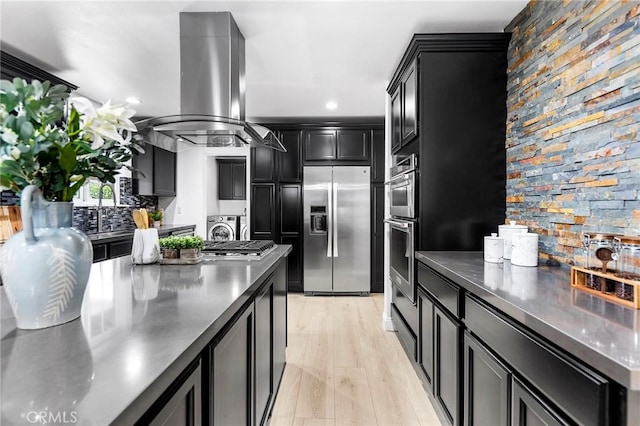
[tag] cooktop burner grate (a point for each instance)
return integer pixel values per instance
(255, 247)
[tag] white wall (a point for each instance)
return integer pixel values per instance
(197, 187)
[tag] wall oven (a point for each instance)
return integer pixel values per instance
(402, 245)
(402, 187)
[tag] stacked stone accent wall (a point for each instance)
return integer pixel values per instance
(573, 154)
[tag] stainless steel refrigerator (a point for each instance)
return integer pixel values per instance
(337, 230)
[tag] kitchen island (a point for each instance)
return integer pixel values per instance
(145, 345)
(524, 343)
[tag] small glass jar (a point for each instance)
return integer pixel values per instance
(594, 241)
(629, 259)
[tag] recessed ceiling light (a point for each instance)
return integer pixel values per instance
(331, 105)
(133, 100)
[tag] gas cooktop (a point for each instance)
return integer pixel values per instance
(238, 248)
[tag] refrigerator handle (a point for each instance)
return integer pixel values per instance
(334, 219)
(329, 220)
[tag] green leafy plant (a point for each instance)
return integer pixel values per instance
(170, 243)
(181, 242)
(156, 215)
(41, 145)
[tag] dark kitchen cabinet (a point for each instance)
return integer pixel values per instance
(487, 386)
(155, 172)
(425, 336)
(294, 262)
(264, 351)
(280, 280)
(12, 67)
(378, 166)
(352, 145)
(290, 162)
(290, 208)
(231, 179)
(232, 366)
(529, 409)
(184, 407)
(342, 145)
(320, 145)
(263, 223)
(263, 164)
(409, 97)
(100, 252)
(396, 111)
(446, 366)
(377, 237)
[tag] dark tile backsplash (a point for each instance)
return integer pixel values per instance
(85, 219)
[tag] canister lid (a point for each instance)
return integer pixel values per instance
(512, 225)
(493, 236)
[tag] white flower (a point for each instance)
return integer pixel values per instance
(9, 136)
(107, 122)
(15, 153)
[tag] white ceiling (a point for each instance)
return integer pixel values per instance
(299, 54)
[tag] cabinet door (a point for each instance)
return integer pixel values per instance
(239, 183)
(487, 385)
(290, 208)
(425, 336)
(232, 379)
(279, 321)
(377, 156)
(225, 180)
(120, 248)
(320, 145)
(352, 145)
(263, 164)
(377, 237)
(164, 172)
(183, 409)
(263, 211)
(100, 252)
(143, 175)
(446, 366)
(294, 262)
(528, 409)
(290, 162)
(396, 112)
(264, 351)
(409, 115)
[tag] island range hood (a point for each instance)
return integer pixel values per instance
(212, 89)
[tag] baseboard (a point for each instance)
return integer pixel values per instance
(387, 323)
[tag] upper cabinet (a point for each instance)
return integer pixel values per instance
(232, 179)
(155, 172)
(404, 108)
(290, 162)
(12, 67)
(342, 145)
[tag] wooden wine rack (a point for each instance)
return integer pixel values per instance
(582, 277)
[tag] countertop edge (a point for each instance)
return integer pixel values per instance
(629, 378)
(96, 238)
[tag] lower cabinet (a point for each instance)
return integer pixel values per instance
(487, 386)
(264, 351)
(446, 366)
(425, 336)
(232, 359)
(529, 409)
(183, 409)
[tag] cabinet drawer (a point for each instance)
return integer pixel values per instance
(120, 248)
(579, 391)
(446, 293)
(100, 252)
(405, 335)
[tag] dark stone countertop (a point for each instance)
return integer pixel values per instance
(603, 334)
(118, 235)
(140, 327)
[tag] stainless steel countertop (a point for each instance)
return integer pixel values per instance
(600, 333)
(140, 327)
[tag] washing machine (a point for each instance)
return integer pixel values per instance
(243, 229)
(222, 228)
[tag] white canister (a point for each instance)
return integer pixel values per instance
(493, 248)
(506, 232)
(525, 249)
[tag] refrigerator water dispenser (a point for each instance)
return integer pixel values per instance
(318, 220)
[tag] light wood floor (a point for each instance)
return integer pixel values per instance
(343, 369)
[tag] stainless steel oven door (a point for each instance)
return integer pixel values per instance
(402, 194)
(402, 238)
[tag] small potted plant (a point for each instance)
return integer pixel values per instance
(155, 216)
(190, 246)
(169, 247)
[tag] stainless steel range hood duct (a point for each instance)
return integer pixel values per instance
(212, 89)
